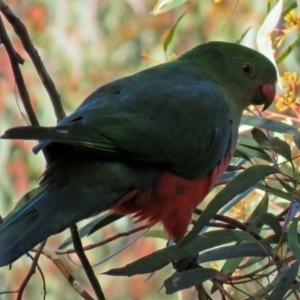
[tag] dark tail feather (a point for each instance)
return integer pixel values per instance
(71, 133)
(47, 213)
(35, 133)
(20, 231)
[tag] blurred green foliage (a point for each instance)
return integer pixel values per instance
(85, 44)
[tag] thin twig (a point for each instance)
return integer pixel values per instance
(31, 271)
(43, 279)
(232, 222)
(50, 253)
(21, 31)
(15, 60)
(85, 263)
(106, 241)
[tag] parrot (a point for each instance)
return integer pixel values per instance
(151, 145)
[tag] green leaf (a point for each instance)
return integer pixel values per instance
(251, 152)
(293, 192)
(156, 233)
(285, 283)
(262, 293)
(260, 137)
(268, 219)
(163, 257)
(91, 227)
(293, 237)
(227, 252)
(165, 5)
(248, 141)
(261, 208)
(274, 191)
(169, 37)
(103, 221)
(273, 239)
(232, 264)
(287, 51)
(275, 126)
(238, 185)
(183, 280)
(273, 144)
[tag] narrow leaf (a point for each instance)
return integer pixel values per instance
(186, 279)
(285, 283)
(165, 5)
(293, 238)
(91, 227)
(104, 221)
(251, 152)
(261, 208)
(163, 257)
(268, 219)
(263, 293)
(274, 191)
(156, 233)
(293, 192)
(238, 185)
(169, 37)
(273, 125)
(287, 51)
(240, 250)
(273, 144)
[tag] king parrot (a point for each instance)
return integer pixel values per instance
(152, 145)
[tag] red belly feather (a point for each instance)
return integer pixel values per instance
(173, 201)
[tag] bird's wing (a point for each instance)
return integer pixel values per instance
(159, 115)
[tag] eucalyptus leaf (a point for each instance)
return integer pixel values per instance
(293, 237)
(250, 152)
(264, 291)
(285, 283)
(183, 280)
(91, 227)
(274, 144)
(238, 185)
(227, 252)
(261, 208)
(273, 125)
(169, 37)
(163, 257)
(274, 191)
(268, 219)
(166, 5)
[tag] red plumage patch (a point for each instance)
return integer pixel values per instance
(172, 202)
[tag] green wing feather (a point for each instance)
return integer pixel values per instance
(159, 115)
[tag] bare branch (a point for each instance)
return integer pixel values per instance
(50, 253)
(106, 241)
(15, 59)
(85, 263)
(31, 271)
(22, 33)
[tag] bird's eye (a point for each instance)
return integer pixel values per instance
(247, 68)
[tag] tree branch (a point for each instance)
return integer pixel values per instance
(50, 253)
(22, 33)
(15, 60)
(31, 271)
(85, 263)
(106, 241)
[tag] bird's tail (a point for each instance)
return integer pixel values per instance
(44, 212)
(20, 230)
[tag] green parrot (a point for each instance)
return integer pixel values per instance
(152, 145)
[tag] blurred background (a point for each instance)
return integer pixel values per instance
(85, 44)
